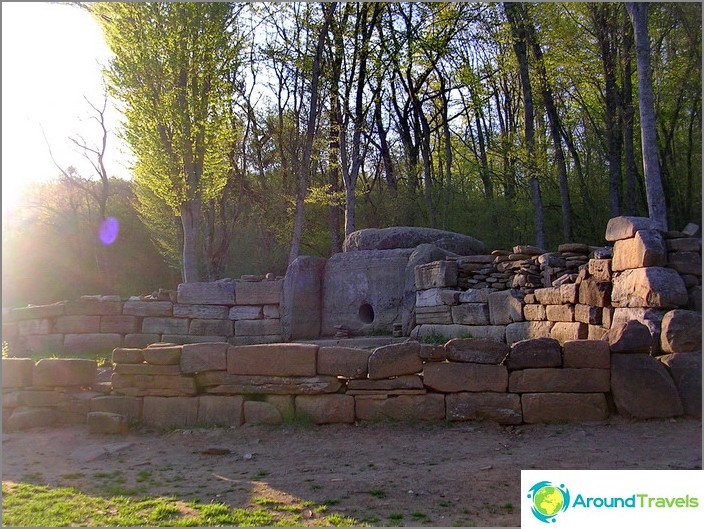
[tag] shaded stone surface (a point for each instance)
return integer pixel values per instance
(102, 422)
(17, 372)
(565, 380)
(204, 357)
(395, 360)
(90, 343)
(257, 327)
(200, 327)
(411, 237)
(326, 409)
(301, 298)
(686, 371)
(163, 356)
(504, 408)
(64, 372)
(535, 352)
(516, 332)
(564, 331)
(258, 293)
(505, 307)
(629, 337)
(165, 325)
(548, 407)
(343, 361)
(476, 350)
(259, 412)
(206, 312)
(438, 274)
(600, 269)
(148, 308)
(219, 410)
(273, 359)
(563, 313)
(25, 418)
(625, 227)
(271, 385)
(122, 355)
(471, 314)
(646, 248)
(681, 332)
(594, 293)
(456, 377)
(649, 287)
(170, 411)
(586, 353)
(207, 293)
(429, 407)
(130, 407)
(119, 324)
(77, 324)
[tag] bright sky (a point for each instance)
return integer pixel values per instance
(52, 56)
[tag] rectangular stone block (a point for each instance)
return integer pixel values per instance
(171, 384)
(207, 293)
(564, 380)
(387, 384)
(246, 312)
(596, 332)
(548, 296)
(588, 314)
(343, 361)
(78, 324)
(607, 316)
(140, 340)
(273, 359)
(257, 327)
(17, 372)
(594, 293)
(211, 328)
(46, 344)
(626, 227)
(646, 248)
(206, 312)
(91, 343)
(326, 409)
(505, 307)
(395, 360)
(186, 338)
(569, 293)
(37, 312)
(515, 332)
(559, 312)
(428, 407)
(587, 353)
(147, 369)
(93, 308)
(441, 315)
(563, 331)
(64, 372)
(549, 407)
(254, 340)
(148, 308)
(600, 270)
(271, 385)
(119, 324)
(220, 410)
(474, 295)
(534, 312)
(436, 296)
(42, 398)
(272, 312)
(258, 293)
(126, 355)
(130, 407)
(471, 314)
(504, 408)
(170, 411)
(456, 377)
(165, 326)
(649, 287)
(685, 244)
(28, 327)
(204, 357)
(438, 274)
(163, 354)
(535, 352)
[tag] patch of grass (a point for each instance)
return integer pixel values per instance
(261, 474)
(444, 503)
(378, 493)
(508, 507)
(331, 502)
(434, 338)
(143, 475)
(419, 515)
(395, 519)
(75, 475)
(315, 486)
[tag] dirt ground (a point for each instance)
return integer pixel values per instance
(465, 474)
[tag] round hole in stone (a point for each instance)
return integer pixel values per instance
(366, 313)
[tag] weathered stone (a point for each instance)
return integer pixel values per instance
(559, 312)
(646, 248)
(170, 411)
(246, 312)
(17, 372)
(165, 325)
(534, 312)
(147, 369)
(211, 328)
(25, 418)
(205, 312)
(432, 353)
(630, 337)
(273, 359)
(548, 296)
(255, 340)
(163, 356)
(686, 371)
(92, 308)
(588, 314)
(471, 314)
(436, 296)
(455, 377)
(387, 384)
(272, 312)
(140, 340)
(685, 263)
(474, 295)
(148, 308)
(651, 318)
(607, 316)
(37, 312)
(596, 332)
(343, 361)
(594, 293)
(220, 410)
(565, 380)
(64, 372)
(90, 343)
(441, 315)
(411, 237)
(694, 301)
(476, 350)
(122, 355)
(27, 327)
(259, 412)
(204, 357)
(257, 327)
(569, 293)
(505, 307)
(550, 407)
(642, 387)
(119, 324)
(586, 353)
(516, 332)
(326, 409)
(107, 423)
(301, 298)
(649, 287)
(685, 244)
(130, 407)
(600, 270)
(41, 398)
(692, 230)
(270, 385)
(210, 293)
(439, 274)
(619, 228)
(535, 352)
(504, 408)
(395, 360)
(429, 407)
(563, 331)
(493, 332)
(262, 293)
(681, 332)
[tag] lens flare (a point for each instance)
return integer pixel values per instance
(109, 230)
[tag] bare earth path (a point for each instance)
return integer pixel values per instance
(383, 474)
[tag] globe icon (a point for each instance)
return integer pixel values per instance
(548, 500)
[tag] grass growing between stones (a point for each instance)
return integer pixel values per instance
(32, 505)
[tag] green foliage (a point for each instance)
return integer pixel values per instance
(434, 338)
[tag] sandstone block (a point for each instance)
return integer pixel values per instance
(409, 382)
(170, 411)
(437, 296)
(647, 248)
(272, 312)
(438, 274)
(246, 312)
(186, 339)
(42, 398)
(619, 228)
(257, 327)
(569, 293)
(476, 350)
(560, 312)
(594, 293)
(681, 332)
(255, 340)
(535, 352)
(207, 293)
(548, 296)
(686, 372)
(25, 418)
(107, 423)
(52, 344)
(456, 377)
(563, 331)
(301, 298)
(549, 407)
(259, 412)
(261, 293)
(471, 314)
(273, 359)
(516, 332)
(17, 372)
(429, 407)
(270, 385)
(493, 332)
(163, 356)
(504, 408)
(600, 270)
(119, 324)
(139, 340)
(147, 369)
(165, 325)
(37, 312)
(642, 387)
(432, 353)
(130, 407)
(204, 357)
(534, 312)
(565, 380)
(685, 263)
(596, 332)
(220, 410)
(588, 314)
(148, 308)
(505, 307)
(122, 355)
(64, 372)
(441, 315)
(326, 409)
(474, 295)
(630, 337)
(92, 307)
(343, 361)
(27, 327)
(211, 328)
(91, 343)
(586, 353)
(204, 312)
(649, 287)
(411, 237)
(394, 360)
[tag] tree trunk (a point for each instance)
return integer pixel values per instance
(628, 121)
(190, 221)
(657, 209)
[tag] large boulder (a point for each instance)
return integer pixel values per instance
(410, 237)
(686, 371)
(681, 332)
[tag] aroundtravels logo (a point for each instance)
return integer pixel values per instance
(548, 500)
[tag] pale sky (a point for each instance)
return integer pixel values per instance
(52, 56)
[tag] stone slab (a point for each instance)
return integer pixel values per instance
(130, 407)
(102, 422)
(204, 357)
(534, 312)
(119, 324)
(147, 369)
(594, 293)
(37, 312)
(207, 293)
(395, 360)
(456, 377)
(211, 328)
(64, 372)
(474, 295)
(77, 324)
(476, 350)
(301, 298)
(428, 407)
(471, 314)
(565, 380)
(441, 315)
(27, 327)
(646, 248)
(573, 407)
(91, 343)
(504, 408)
(560, 312)
(326, 409)
(215, 410)
(165, 355)
(170, 411)
(564, 331)
(686, 372)
(17, 372)
(165, 325)
(270, 385)
(122, 355)
(586, 353)
(388, 384)
(505, 307)
(273, 359)
(139, 340)
(588, 314)
(206, 312)
(343, 361)
(600, 270)
(148, 308)
(260, 412)
(516, 332)
(681, 332)
(437, 296)
(246, 312)
(649, 287)
(625, 227)
(630, 337)
(258, 293)
(535, 352)
(257, 327)
(438, 274)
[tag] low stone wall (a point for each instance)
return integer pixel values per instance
(238, 312)
(531, 381)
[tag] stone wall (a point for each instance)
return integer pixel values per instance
(238, 312)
